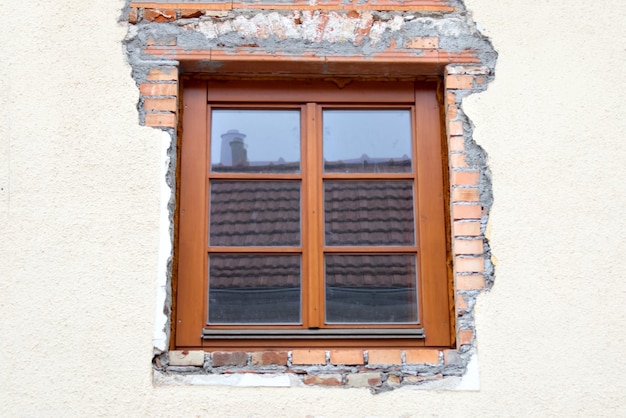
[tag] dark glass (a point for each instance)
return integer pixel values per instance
(254, 289)
(371, 288)
(254, 213)
(367, 141)
(369, 212)
(255, 141)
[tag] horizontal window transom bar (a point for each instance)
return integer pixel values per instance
(386, 333)
(259, 250)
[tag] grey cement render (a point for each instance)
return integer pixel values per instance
(456, 32)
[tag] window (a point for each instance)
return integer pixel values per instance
(311, 214)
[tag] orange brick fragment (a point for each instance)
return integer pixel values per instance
(147, 89)
(468, 246)
(457, 143)
(384, 357)
(163, 74)
(461, 304)
(166, 120)
(473, 282)
(466, 229)
(465, 336)
(466, 211)
(159, 15)
(452, 112)
(422, 356)
(469, 178)
(455, 128)
(457, 160)
(459, 81)
(465, 195)
(469, 265)
(346, 357)
(160, 105)
(308, 357)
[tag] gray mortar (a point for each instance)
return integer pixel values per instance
(456, 32)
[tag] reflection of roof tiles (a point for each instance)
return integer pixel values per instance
(248, 213)
(280, 271)
(254, 271)
(258, 167)
(267, 213)
(369, 213)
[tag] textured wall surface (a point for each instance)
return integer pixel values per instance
(79, 213)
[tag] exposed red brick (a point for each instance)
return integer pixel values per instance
(160, 105)
(459, 81)
(460, 303)
(147, 89)
(469, 178)
(384, 357)
(457, 161)
(469, 265)
(455, 128)
(229, 358)
(266, 358)
(346, 357)
(132, 15)
(426, 356)
(308, 357)
(191, 13)
(364, 379)
(323, 379)
(159, 15)
(457, 143)
(465, 336)
(167, 120)
(163, 74)
(472, 282)
(450, 97)
(453, 111)
(465, 195)
(466, 211)
(471, 229)
(419, 379)
(468, 246)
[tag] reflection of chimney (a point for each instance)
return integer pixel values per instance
(233, 150)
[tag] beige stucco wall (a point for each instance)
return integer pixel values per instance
(79, 220)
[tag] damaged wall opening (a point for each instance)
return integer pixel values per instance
(384, 43)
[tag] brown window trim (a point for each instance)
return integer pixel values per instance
(430, 210)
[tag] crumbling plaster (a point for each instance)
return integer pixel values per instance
(79, 206)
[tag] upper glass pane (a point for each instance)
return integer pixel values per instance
(367, 141)
(255, 141)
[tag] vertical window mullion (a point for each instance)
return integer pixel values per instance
(311, 186)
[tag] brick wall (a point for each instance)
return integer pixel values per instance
(389, 38)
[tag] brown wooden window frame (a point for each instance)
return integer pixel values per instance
(430, 213)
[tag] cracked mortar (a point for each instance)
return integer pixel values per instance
(321, 33)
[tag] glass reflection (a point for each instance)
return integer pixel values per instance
(255, 141)
(371, 288)
(253, 213)
(254, 289)
(368, 212)
(367, 141)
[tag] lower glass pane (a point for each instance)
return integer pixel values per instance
(364, 288)
(254, 289)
